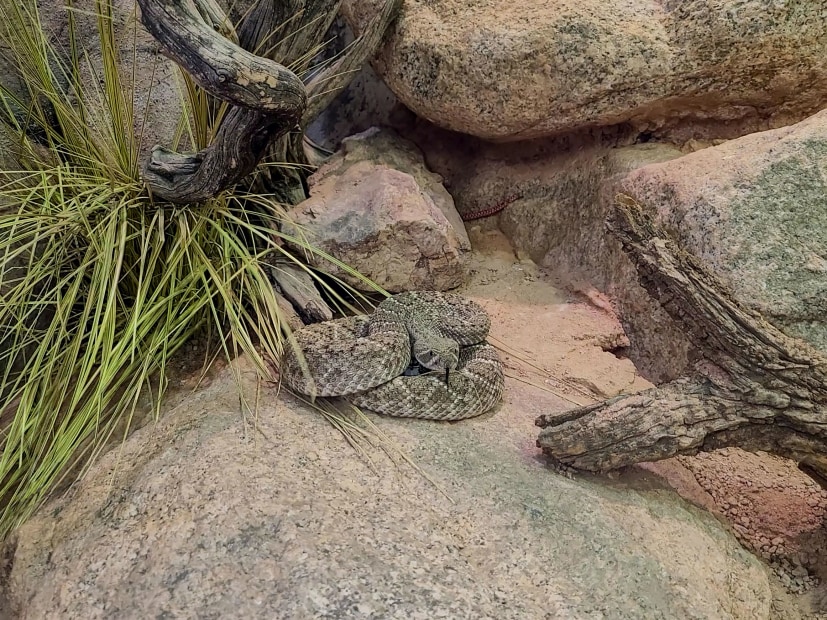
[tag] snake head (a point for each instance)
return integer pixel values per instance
(437, 354)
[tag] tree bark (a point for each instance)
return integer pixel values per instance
(269, 98)
(324, 82)
(754, 387)
(299, 287)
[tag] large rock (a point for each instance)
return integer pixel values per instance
(561, 224)
(204, 515)
(504, 70)
(377, 208)
(754, 210)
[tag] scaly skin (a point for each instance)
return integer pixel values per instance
(362, 358)
(476, 215)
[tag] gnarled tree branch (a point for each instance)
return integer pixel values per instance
(270, 100)
(755, 388)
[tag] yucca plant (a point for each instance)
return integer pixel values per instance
(100, 286)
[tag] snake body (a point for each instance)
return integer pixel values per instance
(363, 358)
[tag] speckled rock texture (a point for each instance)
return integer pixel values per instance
(376, 207)
(207, 516)
(754, 211)
(505, 70)
(562, 225)
(563, 191)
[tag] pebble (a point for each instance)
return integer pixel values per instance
(740, 498)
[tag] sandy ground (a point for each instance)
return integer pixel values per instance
(775, 510)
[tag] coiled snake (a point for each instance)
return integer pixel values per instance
(363, 358)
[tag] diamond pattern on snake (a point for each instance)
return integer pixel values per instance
(421, 354)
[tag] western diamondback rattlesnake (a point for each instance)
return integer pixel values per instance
(363, 358)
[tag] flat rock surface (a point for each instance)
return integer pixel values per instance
(266, 511)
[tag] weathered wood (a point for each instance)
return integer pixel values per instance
(270, 98)
(288, 312)
(755, 387)
(298, 286)
(239, 145)
(324, 81)
(326, 85)
(218, 65)
(287, 29)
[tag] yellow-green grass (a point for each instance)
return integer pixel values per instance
(99, 285)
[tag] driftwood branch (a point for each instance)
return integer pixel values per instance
(299, 287)
(269, 98)
(755, 387)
